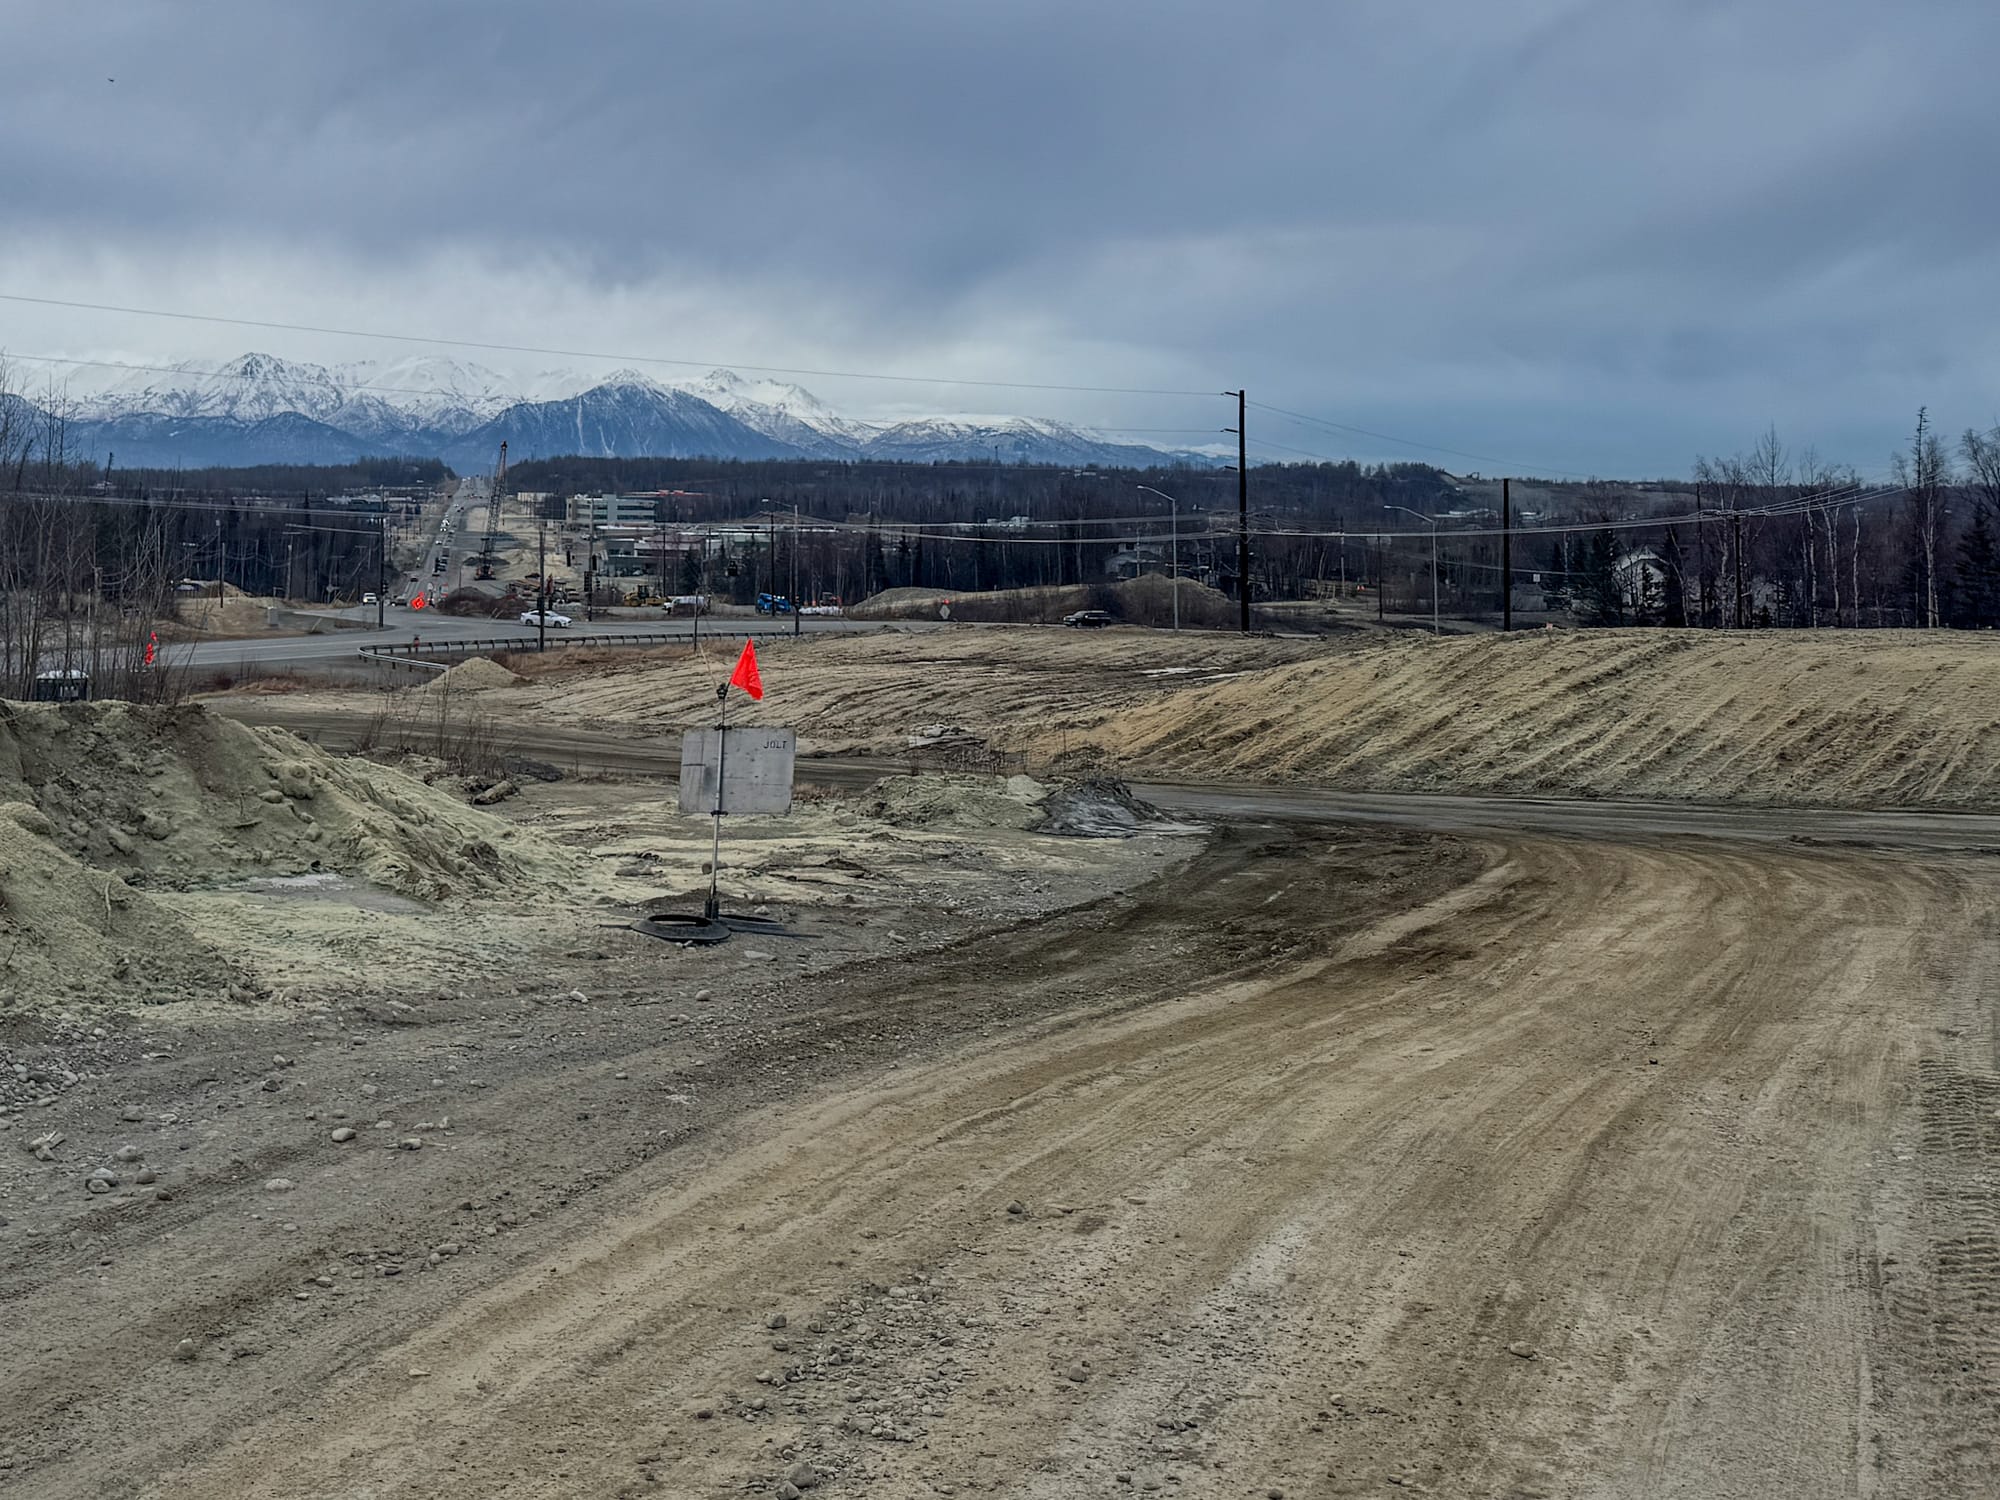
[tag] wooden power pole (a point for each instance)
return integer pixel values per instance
(1506, 554)
(1736, 526)
(1242, 510)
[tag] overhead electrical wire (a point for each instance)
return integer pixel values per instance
(1303, 418)
(558, 353)
(1383, 437)
(982, 532)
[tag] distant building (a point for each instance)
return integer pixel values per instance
(1135, 558)
(611, 510)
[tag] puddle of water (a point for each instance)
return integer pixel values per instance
(343, 890)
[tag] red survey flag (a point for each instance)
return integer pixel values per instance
(745, 676)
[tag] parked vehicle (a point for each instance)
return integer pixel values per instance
(544, 617)
(1088, 619)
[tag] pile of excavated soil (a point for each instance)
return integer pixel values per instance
(181, 798)
(69, 931)
(1103, 807)
(106, 807)
(1146, 600)
(1835, 718)
(959, 802)
(476, 674)
(235, 614)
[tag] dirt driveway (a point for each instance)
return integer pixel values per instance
(1341, 1162)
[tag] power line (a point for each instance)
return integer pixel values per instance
(630, 359)
(1484, 458)
(1800, 505)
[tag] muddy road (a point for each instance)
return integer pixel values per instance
(1343, 1161)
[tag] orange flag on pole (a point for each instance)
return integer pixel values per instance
(745, 676)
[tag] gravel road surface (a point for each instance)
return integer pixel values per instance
(1347, 1160)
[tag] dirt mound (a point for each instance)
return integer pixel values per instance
(476, 674)
(1147, 600)
(181, 798)
(1103, 807)
(69, 931)
(1831, 718)
(237, 614)
(959, 801)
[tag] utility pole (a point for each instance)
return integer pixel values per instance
(1736, 525)
(1506, 554)
(660, 549)
(1175, 565)
(1242, 509)
(542, 584)
(590, 567)
(382, 571)
(797, 624)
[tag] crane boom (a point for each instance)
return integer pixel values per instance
(486, 550)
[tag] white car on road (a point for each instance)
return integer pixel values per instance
(544, 617)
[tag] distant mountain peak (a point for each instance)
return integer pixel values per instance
(434, 404)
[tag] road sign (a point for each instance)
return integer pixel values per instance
(754, 767)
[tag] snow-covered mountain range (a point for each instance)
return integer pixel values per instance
(258, 408)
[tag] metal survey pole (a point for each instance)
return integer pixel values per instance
(713, 909)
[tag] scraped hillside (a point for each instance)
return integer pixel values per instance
(876, 690)
(1828, 718)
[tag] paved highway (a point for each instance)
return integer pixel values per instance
(407, 625)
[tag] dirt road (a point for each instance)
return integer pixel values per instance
(1353, 1162)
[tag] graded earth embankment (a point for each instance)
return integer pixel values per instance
(1004, 684)
(1831, 718)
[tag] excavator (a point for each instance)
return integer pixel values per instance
(492, 542)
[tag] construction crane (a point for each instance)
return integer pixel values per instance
(487, 548)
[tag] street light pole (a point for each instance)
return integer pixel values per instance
(1175, 564)
(1430, 521)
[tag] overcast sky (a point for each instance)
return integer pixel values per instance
(1594, 237)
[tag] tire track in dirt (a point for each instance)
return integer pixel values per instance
(1556, 1186)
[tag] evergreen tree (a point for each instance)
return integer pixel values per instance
(1673, 604)
(1976, 586)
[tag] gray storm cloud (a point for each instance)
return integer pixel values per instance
(1598, 236)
